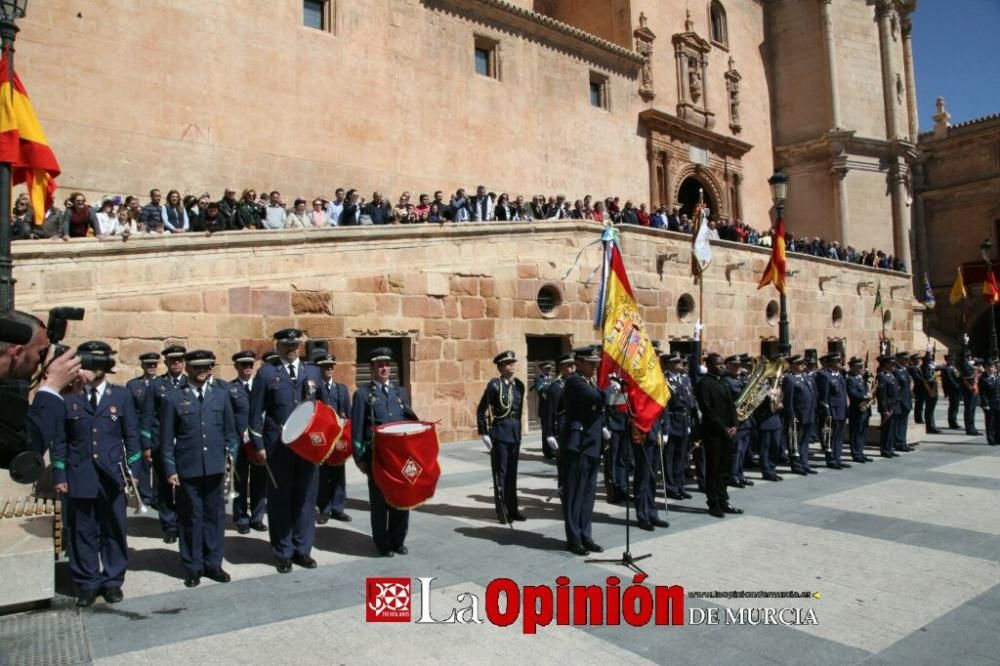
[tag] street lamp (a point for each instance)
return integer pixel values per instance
(10, 11)
(985, 249)
(779, 194)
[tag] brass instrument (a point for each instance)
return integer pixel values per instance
(131, 487)
(764, 383)
(231, 493)
(872, 383)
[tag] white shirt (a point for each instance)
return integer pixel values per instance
(99, 388)
(334, 209)
(296, 364)
(275, 218)
(107, 223)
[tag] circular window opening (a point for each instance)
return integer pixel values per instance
(685, 307)
(771, 312)
(548, 299)
(887, 317)
(837, 316)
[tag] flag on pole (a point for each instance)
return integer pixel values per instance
(991, 292)
(627, 350)
(23, 143)
(701, 249)
(958, 292)
(929, 300)
(878, 298)
(774, 273)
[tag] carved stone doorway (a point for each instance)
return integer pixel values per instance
(688, 196)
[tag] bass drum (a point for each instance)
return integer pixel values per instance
(405, 462)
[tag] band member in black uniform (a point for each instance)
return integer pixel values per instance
(919, 389)
(888, 405)
(951, 381)
(498, 418)
(968, 379)
(138, 386)
(989, 400)
(859, 411)
(905, 382)
(541, 389)
(332, 495)
(928, 382)
(251, 480)
(718, 430)
(677, 426)
(557, 408)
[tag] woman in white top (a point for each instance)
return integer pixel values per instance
(318, 216)
(107, 219)
(298, 218)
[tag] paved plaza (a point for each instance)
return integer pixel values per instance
(904, 555)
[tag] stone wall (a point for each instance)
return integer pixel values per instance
(458, 294)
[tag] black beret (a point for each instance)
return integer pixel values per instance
(380, 354)
(504, 357)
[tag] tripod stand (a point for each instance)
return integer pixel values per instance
(627, 560)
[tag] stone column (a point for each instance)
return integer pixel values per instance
(900, 227)
(668, 200)
(654, 185)
(922, 262)
(843, 210)
(738, 183)
(886, 12)
(683, 92)
(911, 80)
(831, 60)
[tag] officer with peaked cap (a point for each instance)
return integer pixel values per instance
(541, 388)
(831, 388)
(858, 414)
(905, 381)
(798, 412)
(291, 500)
(197, 430)
(249, 480)
(735, 380)
(498, 419)
(677, 426)
(888, 405)
(138, 387)
(101, 437)
(332, 495)
(557, 409)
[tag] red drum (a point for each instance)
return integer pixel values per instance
(343, 449)
(405, 462)
(312, 431)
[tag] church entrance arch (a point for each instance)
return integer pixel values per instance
(692, 190)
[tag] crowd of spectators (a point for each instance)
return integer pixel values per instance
(116, 216)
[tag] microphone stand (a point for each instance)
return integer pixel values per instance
(627, 560)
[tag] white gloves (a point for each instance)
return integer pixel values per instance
(553, 444)
(488, 442)
(607, 434)
(615, 384)
(965, 338)
(697, 330)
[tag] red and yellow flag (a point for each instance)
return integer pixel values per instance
(627, 350)
(991, 292)
(775, 271)
(23, 143)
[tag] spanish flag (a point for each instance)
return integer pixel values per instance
(958, 293)
(627, 350)
(23, 143)
(991, 292)
(775, 271)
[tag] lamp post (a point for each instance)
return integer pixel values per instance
(779, 194)
(985, 249)
(10, 10)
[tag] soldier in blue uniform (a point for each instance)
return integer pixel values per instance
(968, 389)
(989, 400)
(541, 388)
(927, 372)
(798, 414)
(138, 386)
(888, 405)
(332, 494)
(809, 374)
(149, 428)
(831, 388)
(615, 463)
(676, 426)
(291, 501)
(101, 437)
(647, 463)
(858, 413)
(581, 443)
(769, 427)
(197, 431)
(249, 480)
(918, 388)
(951, 382)
(735, 381)
(377, 403)
(557, 410)
(905, 382)
(498, 419)
(751, 460)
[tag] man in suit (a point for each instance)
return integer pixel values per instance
(481, 206)
(197, 435)
(677, 426)
(149, 430)
(249, 480)
(858, 415)
(831, 391)
(332, 494)
(138, 387)
(291, 500)
(557, 410)
(905, 382)
(674, 219)
(377, 403)
(888, 405)
(498, 419)
(101, 437)
(718, 431)
(951, 381)
(541, 389)
(799, 415)
(580, 443)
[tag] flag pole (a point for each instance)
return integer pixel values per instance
(8, 32)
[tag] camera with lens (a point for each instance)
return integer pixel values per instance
(58, 318)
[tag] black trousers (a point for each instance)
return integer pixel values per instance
(332, 493)
(718, 460)
(918, 407)
(503, 460)
(954, 401)
(250, 483)
(969, 412)
(389, 525)
(929, 404)
(166, 507)
(646, 457)
(201, 513)
(579, 494)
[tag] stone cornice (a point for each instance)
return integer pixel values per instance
(837, 142)
(665, 123)
(507, 15)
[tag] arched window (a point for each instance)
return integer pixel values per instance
(718, 20)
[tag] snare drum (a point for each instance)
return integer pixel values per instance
(405, 462)
(312, 431)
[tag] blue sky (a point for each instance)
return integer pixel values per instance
(956, 50)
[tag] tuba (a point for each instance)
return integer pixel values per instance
(764, 382)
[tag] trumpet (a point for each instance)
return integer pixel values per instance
(231, 493)
(131, 487)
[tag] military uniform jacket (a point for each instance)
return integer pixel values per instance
(95, 442)
(928, 379)
(584, 417)
(338, 399)
(499, 411)
(950, 381)
(810, 378)
(45, 421)
(240, 401)
(541, 389)
(831, 395)
(798, 399)
(372, 406)
(557, 408)
(888, 393)
(917, 378)
(195, 436)
(149, 420)
(989, 391)
(857, 390)
(275, 395)
(905, 389)
(138, 386)
(677, 416)
(968, 378)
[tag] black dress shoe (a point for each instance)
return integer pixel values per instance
(386, 552)
(844, 465)
(401, 550)
(645, 525)
(517, 515)
(906, 448)
(577, 549)
(716, 511)
(322, 518)
(674, 496)
(113, 594)
(799, 470)
(747, 482)
(860, 461)
(811, 471)
(729, 508)
(218, 575)
(974, 433)
(685, 495)
(592, 547)
(258, 527)
(887, 455)
(192, 581)
(170, 537)
(243, 529)
(341, 516)
(868, 460)
(935, 431)
(304, 561)
(833, 465)
(85, 599)
(734, 484)
(284, 566)
(657, 522)
(774, 477)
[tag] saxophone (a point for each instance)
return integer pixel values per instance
(872, 383)
(764, 382)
